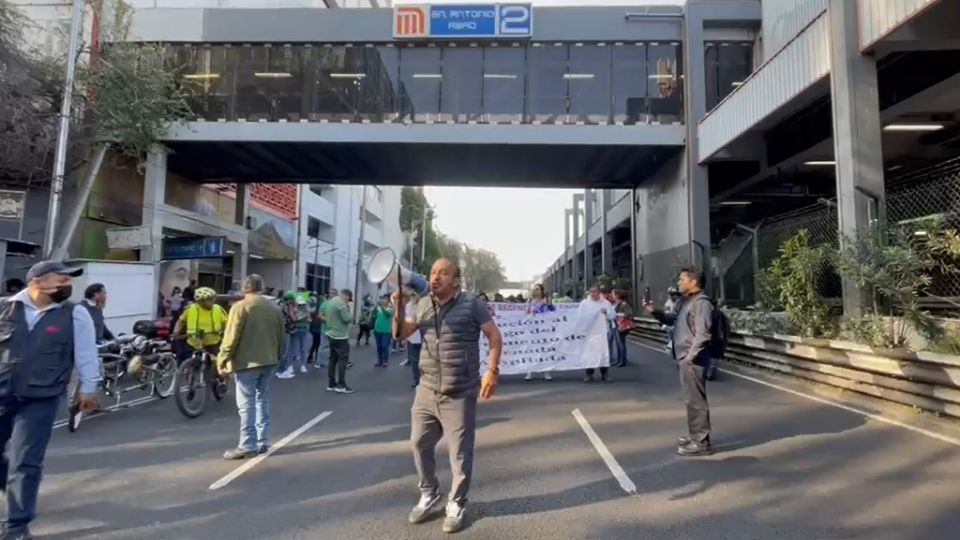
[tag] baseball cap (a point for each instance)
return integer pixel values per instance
(52, 267)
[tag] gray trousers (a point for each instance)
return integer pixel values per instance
(432, 416)
(693, 386)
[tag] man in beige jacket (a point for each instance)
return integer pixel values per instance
(251, 348)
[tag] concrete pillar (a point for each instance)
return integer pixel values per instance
(567, 216)
(856, 138)
(577, 260)
(588, 217)
(243, 204)
(154, 195)
(695, 108)
(606, 240)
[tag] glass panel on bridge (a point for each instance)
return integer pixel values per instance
(727, 66)
(630, 83)
(592, 83)
(589, 83)
(420, 77)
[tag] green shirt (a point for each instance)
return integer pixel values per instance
(337, 314)
(323, 311)
(384, 320)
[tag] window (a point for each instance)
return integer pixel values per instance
(461, 96)
(380, 83)
(318, 278)
(629, 83)
(727, 65)
(589, 83)
(420, 76)
(336, 83)
(503, 83)
(664, 85)
(313, 227)
(546, 83)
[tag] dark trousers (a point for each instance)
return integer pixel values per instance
(603, 372)
(693, 386)
(622, 347)
(433, 416)
(337, 365)
(315, 345)
(413, 356)
(383, 347)
(364, 333)
(25, 430)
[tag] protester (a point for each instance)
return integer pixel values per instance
(338, 318)
(591, 307)
(235, 289)
(31, 390)
(624, 313)
(446, 399)
(486, 301)
(252, 345)
(366, 320)
(297, 322)
(381, 330)
(692, 324)
(202, 317)
(414, 347)
(95, 299)
(316, 331)
(673, 298)
(538, 302)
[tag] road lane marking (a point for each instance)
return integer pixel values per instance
(608, 458)
(873, 416)
(252, 462)
(133, 403)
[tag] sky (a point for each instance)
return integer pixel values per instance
(524, 227)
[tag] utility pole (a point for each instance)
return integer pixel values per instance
(63, 132)
(423, 235)
(356, 284)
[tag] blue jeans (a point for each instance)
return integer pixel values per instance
(622, 347)
(298, 347)
(253, 403)
(383, 347)
(25, 430)
(413, 356)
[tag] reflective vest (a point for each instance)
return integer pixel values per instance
(210, 321)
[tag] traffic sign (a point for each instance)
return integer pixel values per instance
(463, 21)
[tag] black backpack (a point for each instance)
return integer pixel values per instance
(719, 332)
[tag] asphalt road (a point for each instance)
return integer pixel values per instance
(785, 468)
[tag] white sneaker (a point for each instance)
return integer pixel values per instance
(287, 374)
(425, 508)
(529, 377)
(547, 377)
(454, 521)
(405, 363)
(303, 369)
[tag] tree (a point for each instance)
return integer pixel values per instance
(30, 90)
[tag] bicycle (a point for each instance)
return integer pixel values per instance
(148, 361)
(194, 377)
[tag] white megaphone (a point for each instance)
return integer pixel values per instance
(384, 268)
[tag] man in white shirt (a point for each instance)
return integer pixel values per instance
(592, 307)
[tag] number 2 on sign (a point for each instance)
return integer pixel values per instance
(515, 20)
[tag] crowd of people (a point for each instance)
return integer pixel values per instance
(262, 336)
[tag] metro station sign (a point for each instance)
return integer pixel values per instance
(463, 21)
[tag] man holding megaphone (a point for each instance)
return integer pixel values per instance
(450, 321)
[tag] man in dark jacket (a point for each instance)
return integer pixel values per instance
(43, 338)
(692, 320)
(450, 322)
(95, 299)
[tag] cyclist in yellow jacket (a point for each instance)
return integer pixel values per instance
(204, 316)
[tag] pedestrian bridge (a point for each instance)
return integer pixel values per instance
(588, 96)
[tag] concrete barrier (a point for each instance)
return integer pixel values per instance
(927, 381)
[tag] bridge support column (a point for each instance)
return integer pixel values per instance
(588, 198)
(606, 240)
(577, 260)
(856, 138)
(154, 195)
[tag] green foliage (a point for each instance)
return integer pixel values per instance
(793, 276)
(759, 322)
(876, 331)
(949, 342)
(412, 204)
(767, 291)
(133, 96)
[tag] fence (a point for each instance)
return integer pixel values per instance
(932, 192)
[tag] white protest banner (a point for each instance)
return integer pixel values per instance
(558, 338)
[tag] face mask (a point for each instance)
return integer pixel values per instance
(61, 294)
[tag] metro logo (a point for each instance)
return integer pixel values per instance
(411, 21)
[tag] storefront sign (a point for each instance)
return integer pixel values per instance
(12, 204)
(463, 21)
(193, 248)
